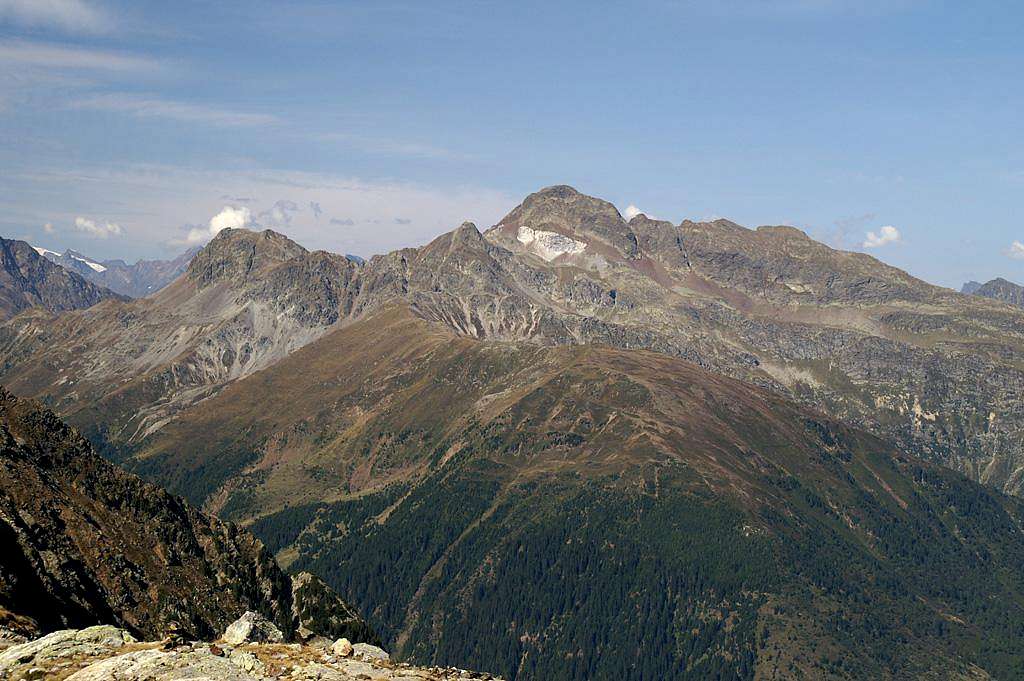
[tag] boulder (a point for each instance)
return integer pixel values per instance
(342, 647)
(365, 650)
(252, 627)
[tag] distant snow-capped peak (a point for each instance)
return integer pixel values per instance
(94, 265)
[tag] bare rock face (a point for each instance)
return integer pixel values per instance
(252, 628)
(86, 543)
(27, 280)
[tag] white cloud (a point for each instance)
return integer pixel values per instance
(228, 218)
(632, 211)
(68, 15)
(1016, 250)
(99, 230)
(885, 235)
(150, 107)
(45, 55)
(48, 228)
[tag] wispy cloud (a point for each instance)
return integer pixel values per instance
(280, 214)
(46, 55)
(67, 15)
(883, 237)
(99, 230)
(1016, 250)
(390, 147)
(153, 107)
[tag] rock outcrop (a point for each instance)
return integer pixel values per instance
(136, 280)
(103, 653)
(86, 543)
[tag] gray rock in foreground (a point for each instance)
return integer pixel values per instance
(252, 627)
(102, 653)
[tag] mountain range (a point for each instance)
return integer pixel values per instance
(27, 280)
(137, 280)
(575, 446)
(931, 370)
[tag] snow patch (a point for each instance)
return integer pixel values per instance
(549, 245)
(44, 251)
(94, 265)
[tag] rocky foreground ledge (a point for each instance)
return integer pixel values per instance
(248, 651)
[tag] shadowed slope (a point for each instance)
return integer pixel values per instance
(86, 543)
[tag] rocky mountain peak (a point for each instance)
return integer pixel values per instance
(563, 209)
(1001, 289)
(467, 231)
(238, 254)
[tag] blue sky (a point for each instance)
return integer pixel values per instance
(127, 129)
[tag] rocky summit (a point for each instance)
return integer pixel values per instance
(998, 289)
